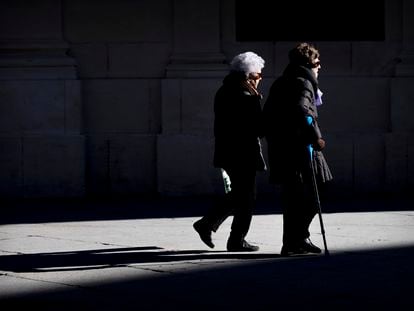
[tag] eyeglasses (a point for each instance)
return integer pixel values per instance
(255, 76)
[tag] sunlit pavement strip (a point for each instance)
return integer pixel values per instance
(79, 254)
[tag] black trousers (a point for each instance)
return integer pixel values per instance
(239, 202)
(299, 208)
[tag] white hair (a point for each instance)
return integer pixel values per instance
(247, 62)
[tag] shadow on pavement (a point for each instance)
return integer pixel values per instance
(358, 280)
(111, 257)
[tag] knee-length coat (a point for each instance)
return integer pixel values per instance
(290, 101)
(237, 125)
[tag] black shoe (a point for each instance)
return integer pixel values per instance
(289, 250)
(310, 247)
(241, 247)
(205, 234)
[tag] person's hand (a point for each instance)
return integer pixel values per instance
(319, 145)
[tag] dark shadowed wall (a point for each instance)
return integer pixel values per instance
(115, 97)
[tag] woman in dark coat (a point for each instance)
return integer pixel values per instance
(293, 98)
(238, 153)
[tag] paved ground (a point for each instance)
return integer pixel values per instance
(144, 255)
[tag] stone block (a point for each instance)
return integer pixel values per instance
(171, 106)
(127, 106)
(121, 164)
(374, 58)
(53, 166)
(73, 106)
(133, 164)
(30, 20)
(112, 21)
(204, 32)
(97, 168)
(185, 165)
(92, 59)
(410, 164)
(33, 106)
(155, 106)
(369, 161)
(11, 171)
(188, 105)
(336, 58)
(396, 155)
(355, 104)
(138, 59)
(197, 105)
(402, 108)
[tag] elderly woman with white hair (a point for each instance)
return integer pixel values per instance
(238, 152)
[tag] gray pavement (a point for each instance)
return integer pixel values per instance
(87, 258)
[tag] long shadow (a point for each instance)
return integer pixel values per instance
(363, 280)
(111, 257)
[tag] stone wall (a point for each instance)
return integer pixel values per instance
(41, 139)
(115, 98)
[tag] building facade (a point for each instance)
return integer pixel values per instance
(115, 97)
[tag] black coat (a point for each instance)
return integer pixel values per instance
(237, 126)
(291, 99)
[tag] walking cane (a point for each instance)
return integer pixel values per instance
(316, 192)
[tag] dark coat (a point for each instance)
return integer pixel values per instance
(237, 126)
(291, 99)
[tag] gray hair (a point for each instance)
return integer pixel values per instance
(247, 62)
